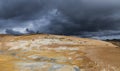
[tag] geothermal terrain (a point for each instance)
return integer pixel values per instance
(42, 52)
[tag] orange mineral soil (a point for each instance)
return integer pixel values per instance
(42, 52)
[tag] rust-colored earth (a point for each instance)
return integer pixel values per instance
(57, 53)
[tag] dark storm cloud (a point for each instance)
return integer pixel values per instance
(11, 9)
(88, 16)
(70, 17)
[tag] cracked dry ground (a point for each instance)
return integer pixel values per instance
(57, 53)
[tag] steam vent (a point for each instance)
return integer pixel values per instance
(57, 53)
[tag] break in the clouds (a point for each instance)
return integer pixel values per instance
(87, 18)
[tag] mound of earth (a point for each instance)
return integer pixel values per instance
(115, 41)
(57, 53)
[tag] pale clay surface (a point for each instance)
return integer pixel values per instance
(57, 53)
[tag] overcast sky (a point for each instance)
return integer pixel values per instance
(86, 18)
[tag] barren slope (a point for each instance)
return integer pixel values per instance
(57, 53)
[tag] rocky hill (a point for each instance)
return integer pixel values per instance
(115, 41)
(57, 53)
